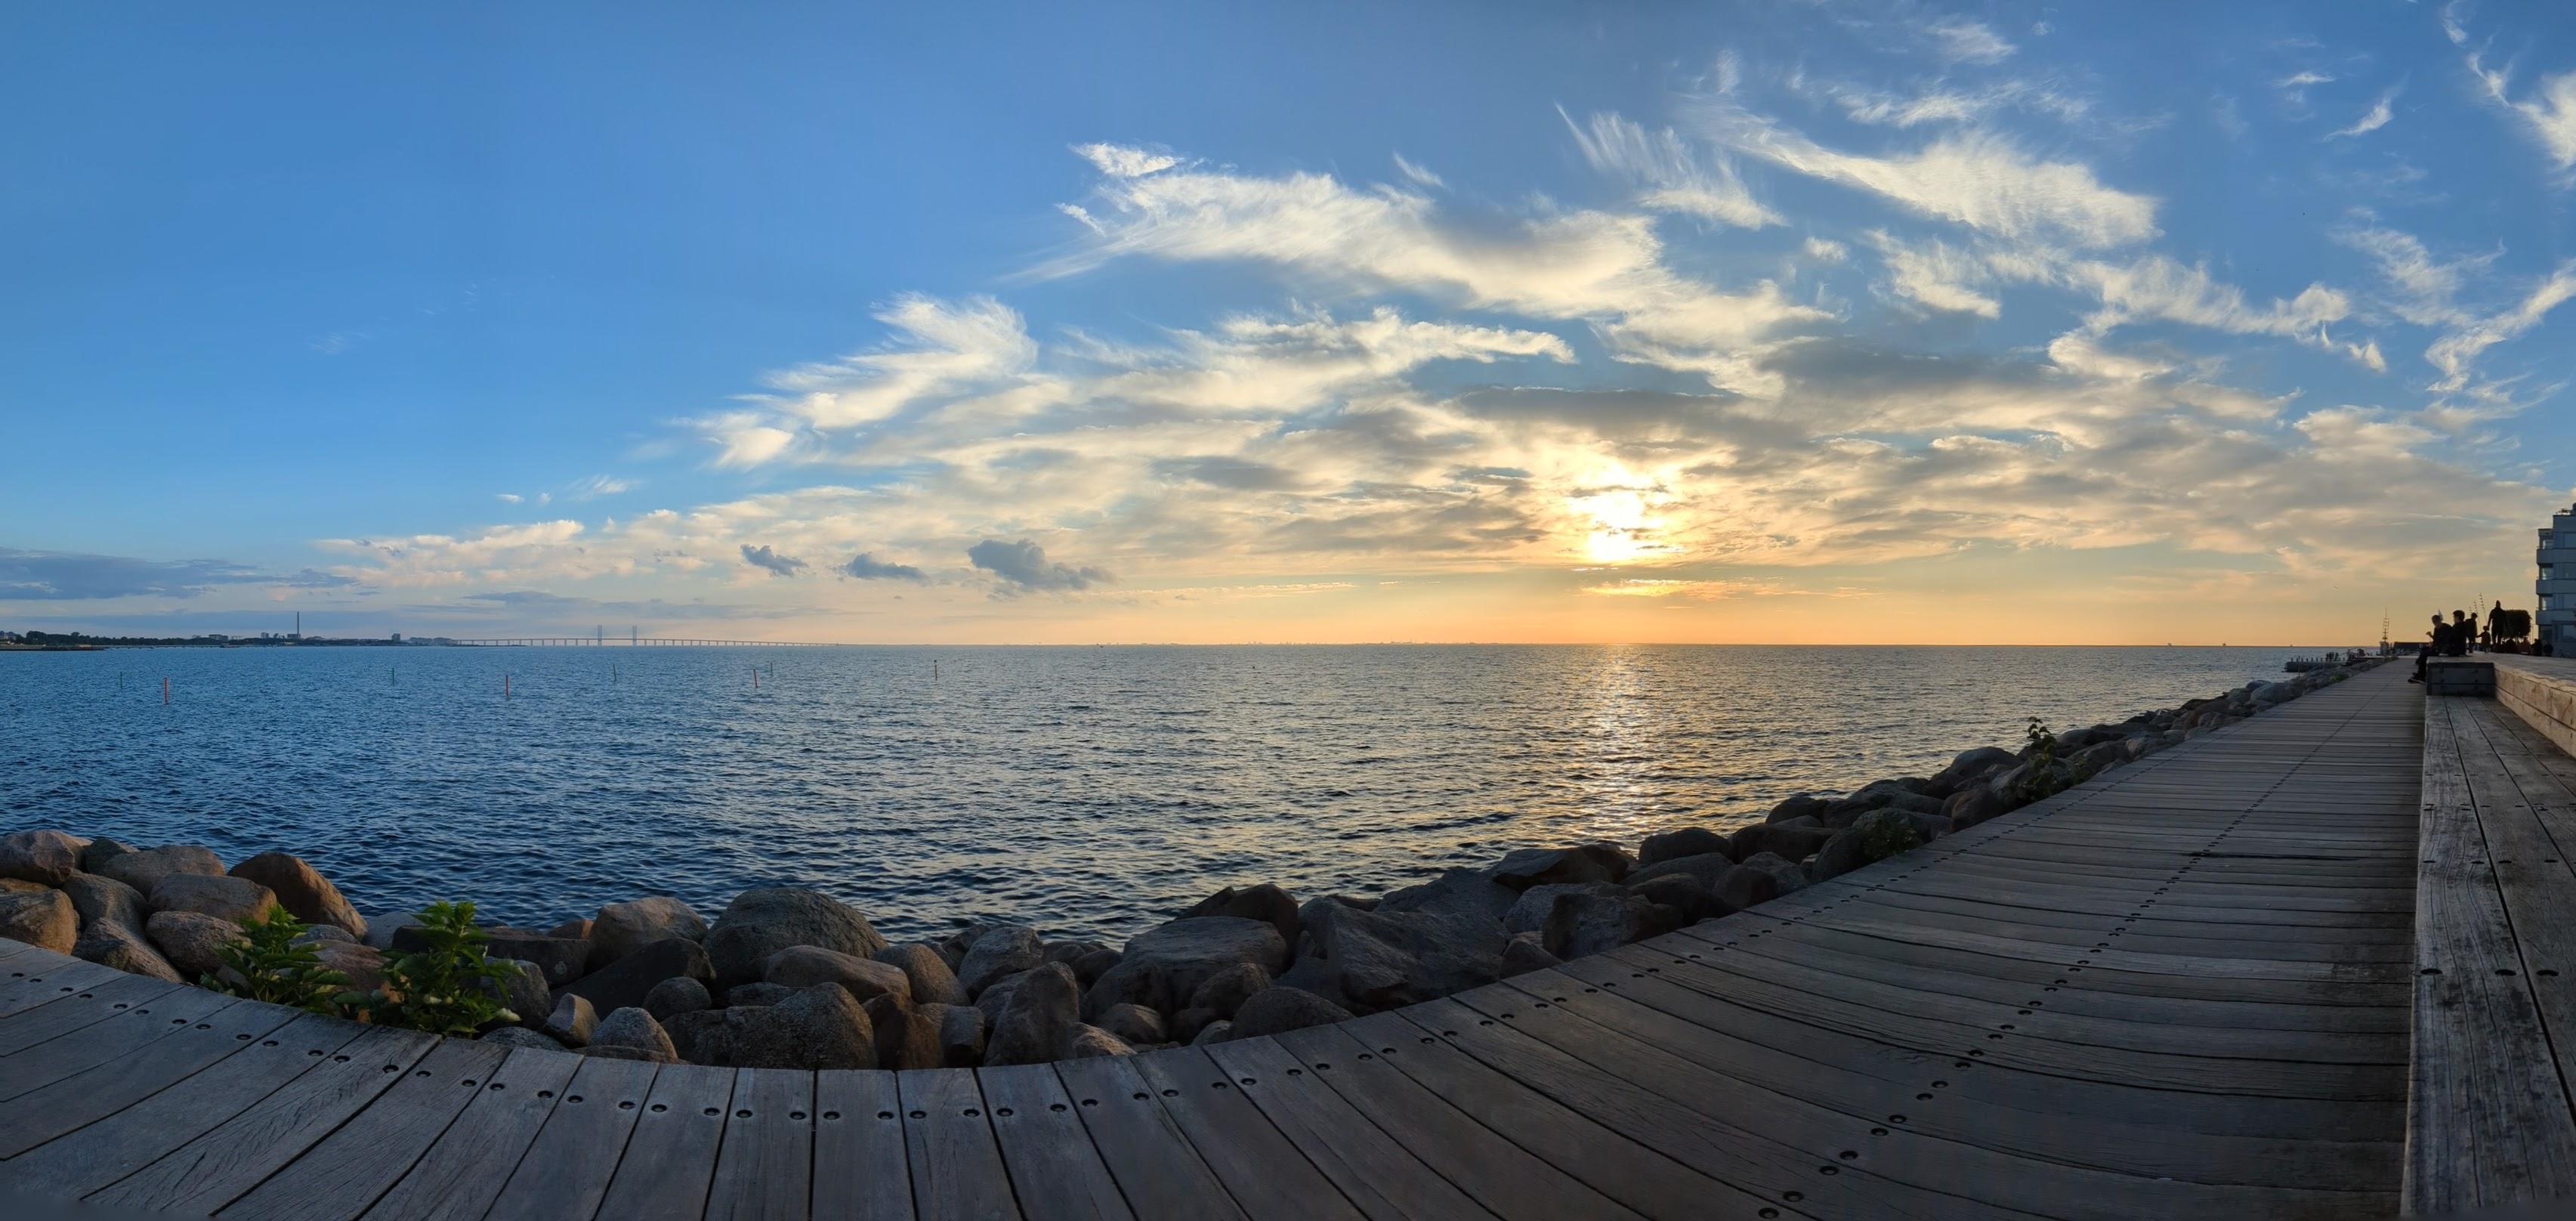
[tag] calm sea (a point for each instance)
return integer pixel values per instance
(1089, 790)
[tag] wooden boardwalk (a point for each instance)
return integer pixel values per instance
(2184, 989)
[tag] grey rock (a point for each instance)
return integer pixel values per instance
(1787, 876)
(1744, 887)
(193, 943)
(625, 983)
(43, 918)
(117, 945)
(1794, 841)
(1972, 805)
(1186, 1025)
(1089, 1041)
(1928, 827)
(803, 966)
(573, 1020)
(759, 923)
(105, 901)
(1074, 950)
(1706, 869)
(1686, 841)
(576, 930)
(1090, 967)
(382, 926)
(1456, 892)
(632, 1034)
(907, 1036)
(1875, 836)
(621, 929)
(363, 965)
(961, 1036)
(1224, 992)
(239, 900)
(1041, 1013)
(1527, 952)
(818, 1027)
(1526, 867)
(1382, 959)
(1214, 1032)
(100, 851)
(673, 997)
(517, 1037)
(302, 890)
(1262, 902)
(929, 976)
(316, 934)
(751, 996)
(1162, 966)
(145, 869)
(522, 987)
(1133, 1024)
(1007, 950)
(42, 857)
(1972, 765)
(1530, 912)
(1690, 902)
(1591, 924)
(1278, 1009)
(560, 960)
(1804, 805)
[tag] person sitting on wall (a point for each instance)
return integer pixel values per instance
(2433, 642)
(2464, 632)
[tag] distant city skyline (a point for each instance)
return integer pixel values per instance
(1878, 322)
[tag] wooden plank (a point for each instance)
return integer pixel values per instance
(1259, 1167)
(57, 1008)
(41, 1115)
(105, 1040)
(339, 1177)
(766, 1169)
(211, 1170)
(464, 1171)
(1382, 1173)
(957, 1169)
(861, 1170)
(1161, 1176)
(81, 1161)
(566, 1172)
(671, 1152)
(2483, 1127)
(1055, 1169)
(46, 977)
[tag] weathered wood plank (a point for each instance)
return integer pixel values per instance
(766, 1170)
(343, 1174)
(567, 1169)
(465, 1169)
(106, 1040)
(1161, 1176)
(1055, 1170)
(1380, 1172)
(957, 1168)
(861, 1169)
(1261, 1169)
(671, 1152)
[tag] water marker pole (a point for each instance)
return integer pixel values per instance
(165, 692)
(505, 684)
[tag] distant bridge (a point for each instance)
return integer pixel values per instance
(640, 641)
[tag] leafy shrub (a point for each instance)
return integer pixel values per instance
(267, 965)
(448, 986)
(2047, 775)
(1884, 834)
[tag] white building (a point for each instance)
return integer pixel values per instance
(2556, 620)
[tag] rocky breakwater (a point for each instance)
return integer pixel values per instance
(794, 978)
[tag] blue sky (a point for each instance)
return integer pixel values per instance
(1841, 321)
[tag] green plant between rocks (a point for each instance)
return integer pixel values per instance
(267, 964)
(449, 986)
(2045, 775)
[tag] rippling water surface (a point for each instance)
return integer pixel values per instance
(1089, 790)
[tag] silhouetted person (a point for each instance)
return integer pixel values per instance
(2464, 632)
(2433, 642)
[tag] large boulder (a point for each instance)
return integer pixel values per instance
(1224, 992)
(1134, 1024)
(1745, 886)
(1262, 902)
(1382, 959)
(105, 901)
(43, 918)
(1527, 952)
(1707, 869)
(1583, 924)
(193, 943)
(121, 947)
(1042, 1011)
(572, 1022)
(746, 996)
(931, 980)
(1278, 1009)
(1163, 966)
(383, 926)
(759, 923)
(143, 870)
(1804, 805)
(1784, 839)
(803, 966)
(1787, 876)
(302, 890)
(560, 960)
(818, 1027)
(673, 997)
(239, 900)
(1974, 765)
(1089, 1041)
(961, 1035)
(519, 1037)
(1007, 950)
(907, 1036)
(1875, 836)
(621, 929)
(1529, 914)
(1690, 902)
(44, 857)
(631, 1034)
(363, 965)
(521, 986)
(1456, 892)
(625, 983)
(1523, 868)
(100, 851)
(1672, 845)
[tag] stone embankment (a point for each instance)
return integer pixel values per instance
(793, 978)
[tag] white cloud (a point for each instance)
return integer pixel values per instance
(2372, 120)
(596, 486)
(1974, 178)
(1944, 103)
(1961, 41)
(1668, 174)
(507, 498)
(1825, 250)
(1118, 161)
(1936, 275)
(2455, 353)
(1418, 174)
